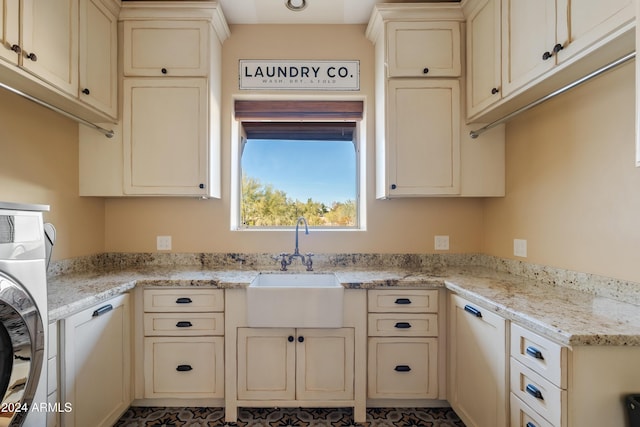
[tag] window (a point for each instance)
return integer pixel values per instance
(298, 159)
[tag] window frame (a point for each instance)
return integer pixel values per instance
(239, 137)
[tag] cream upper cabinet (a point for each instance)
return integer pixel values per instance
(9, 30)
(166, 48)
(295, 364)
(171, 97)
(96, 364)
(98, 57)
(49, 41)
(591, 22)
(477, 361)
(483, 55)
(539, 35)
(529, 28)
(165, 132)
(423, 146)
(430, 49)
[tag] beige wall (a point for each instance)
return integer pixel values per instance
(39, 164)
(203, 225)
(572, 189)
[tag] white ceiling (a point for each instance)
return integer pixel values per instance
(316, 12)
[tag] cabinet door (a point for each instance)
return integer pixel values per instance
(429, 49)
(403, 368)
(98, 57)
(50, 42)
(165, 136)
(171, 48)
(423, 139)
(266, 364)
(9, 30)
(325, 364)
(478, 389)
(483, 56)
(97, 364)
(529, 30)
(587, 22)
(179, 367)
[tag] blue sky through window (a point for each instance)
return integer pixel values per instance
(324, 171)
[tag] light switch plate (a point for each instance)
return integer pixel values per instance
(441, 243)
(163, 243)
(520, 247)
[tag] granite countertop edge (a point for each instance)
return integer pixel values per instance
(575, 318)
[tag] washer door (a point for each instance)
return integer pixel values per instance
(21, 351)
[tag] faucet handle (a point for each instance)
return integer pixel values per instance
(309, 262)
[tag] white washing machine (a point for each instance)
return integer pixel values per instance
(23, 316)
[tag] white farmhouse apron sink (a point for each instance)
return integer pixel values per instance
(295, 300)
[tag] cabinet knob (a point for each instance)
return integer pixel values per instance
(184, 368)
(494, 91)
(290, 338)
(163, 71)
(32, 56)
(402, 301)
(425, 71)
(16, 48)
(393, 186)
(300, 339)
(201, 186)
(557, 48)
(402, 325)
(184, 324)
(184, 300)
(86, 91)
(402, 368)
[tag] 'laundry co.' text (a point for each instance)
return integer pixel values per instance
(309, 75)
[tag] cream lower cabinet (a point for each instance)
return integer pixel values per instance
(183, 344)
(478, 389)
(295, 367)
(295, 364)
(96, 364)
(403, 358)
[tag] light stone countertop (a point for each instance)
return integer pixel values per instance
(567, 316)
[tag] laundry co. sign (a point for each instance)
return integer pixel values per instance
(299, 75)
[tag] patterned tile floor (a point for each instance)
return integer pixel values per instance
(285, 417)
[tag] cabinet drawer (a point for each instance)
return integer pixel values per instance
(539, 394)
(523, 416)
(403, 368)
(403, 301)
(184, 367)
(183, 300)
(192, 324)
(403, 325)
(171, 48)
(539, 354)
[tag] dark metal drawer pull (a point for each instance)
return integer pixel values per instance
(402, 368)
(184, 300)
(472, 310)
(184, 368)
(403, 301)
(102, 310)
(530, 424)
(184, 324)
(403, 325)
(534, 352)
(533, 391)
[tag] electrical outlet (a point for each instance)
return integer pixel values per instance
(520, 248)
(163, 243)
(441, 243)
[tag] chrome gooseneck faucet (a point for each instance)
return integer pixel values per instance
(288, 259)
